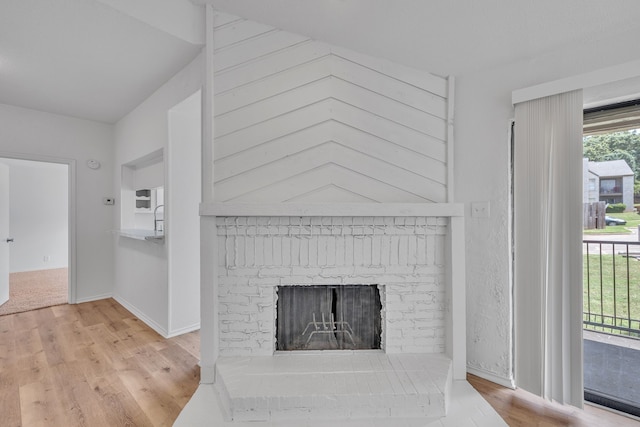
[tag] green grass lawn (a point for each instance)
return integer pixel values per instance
(602, 297)
(632, 218)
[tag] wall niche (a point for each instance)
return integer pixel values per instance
(142, 196)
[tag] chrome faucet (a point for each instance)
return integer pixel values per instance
(155, 218)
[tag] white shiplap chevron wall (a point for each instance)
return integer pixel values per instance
(297, 120)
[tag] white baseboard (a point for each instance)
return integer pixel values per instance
(207, 374)
(93, 298)
(505, 382)
(143, 317)
(185, 330)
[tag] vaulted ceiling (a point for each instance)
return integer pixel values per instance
(98, 59)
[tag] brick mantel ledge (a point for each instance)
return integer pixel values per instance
(334, 209)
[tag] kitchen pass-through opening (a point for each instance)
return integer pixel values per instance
(329, 317)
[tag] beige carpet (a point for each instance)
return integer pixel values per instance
(31, 290)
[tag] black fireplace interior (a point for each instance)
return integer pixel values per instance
(340, 317)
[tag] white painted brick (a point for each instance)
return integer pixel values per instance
(428, 284)
(286, 251)
(275, 272)
(348, 250)
(240, 248)
(261, 316)
(322, 250)
(248, 290)
(304, 252)
(306, 271)
(400, 324)
(392, 297)
(221, 251)
(235, 343)
(340, 251)
(360, 270)
(246, 327)
(403, 250)
(295, 251)
(439, 250)
(325, 280)
(235, 299)
(295, 280)
(425, 298)
(412, 300)
(336, 271)
(236, 337)
(259, 250)
(276, 245)
(238, 308)
(268, 251)
(399, 279)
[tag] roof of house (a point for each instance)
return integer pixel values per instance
(610, 168)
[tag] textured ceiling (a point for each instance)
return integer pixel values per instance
(89, 59)
(447, 37)
(82, 58)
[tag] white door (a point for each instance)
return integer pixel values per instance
(5, 239)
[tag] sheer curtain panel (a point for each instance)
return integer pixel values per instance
(548, 247)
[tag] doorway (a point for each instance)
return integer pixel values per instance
(39, 230)
(610, 252)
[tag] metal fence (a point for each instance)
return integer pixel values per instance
(611, 275)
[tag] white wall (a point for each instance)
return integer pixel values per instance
(183, 217)
(38, 202)
(141, 268)
(30, 133)
(483, 113)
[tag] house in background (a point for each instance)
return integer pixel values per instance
(106, 81)
(610, 181)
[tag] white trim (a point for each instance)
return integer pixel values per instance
(208, 109)
(450, 139)
(94, 298)
(580, 81)
(143, 317)
(505, 382)
(337, 209)
(456, 333)
(72, 229)
(183, 330)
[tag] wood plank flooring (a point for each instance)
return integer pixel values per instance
(95, 364)
(92, 364)
(519, 408)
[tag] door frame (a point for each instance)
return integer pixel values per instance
(71, 210)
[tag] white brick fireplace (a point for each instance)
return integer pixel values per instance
(326, 167)
(412, 253)
(404, 256)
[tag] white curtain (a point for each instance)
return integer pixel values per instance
(548, 247)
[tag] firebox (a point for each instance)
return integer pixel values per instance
(328, 317)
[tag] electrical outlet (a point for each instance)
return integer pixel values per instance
(46, 258)
(108, 200)
(480, 209)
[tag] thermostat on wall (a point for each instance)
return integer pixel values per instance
(93, 164)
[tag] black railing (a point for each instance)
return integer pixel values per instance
(611, 276)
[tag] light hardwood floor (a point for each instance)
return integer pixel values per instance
(519, 408)
(95, 364)
(92, 364)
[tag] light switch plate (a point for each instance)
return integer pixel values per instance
(108, 200)
(480, 209)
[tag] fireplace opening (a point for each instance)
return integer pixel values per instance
(334, 317)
